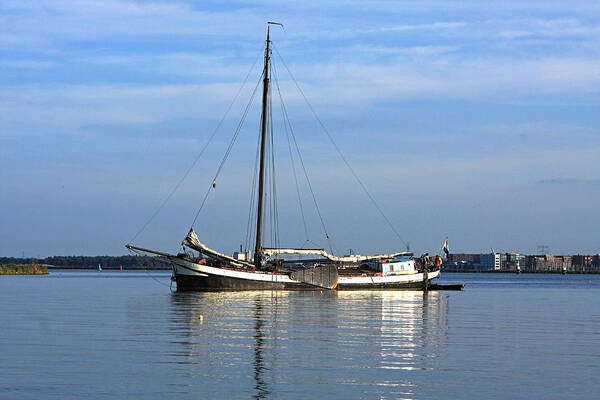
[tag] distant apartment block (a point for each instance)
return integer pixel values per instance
(493, 261)
(527, 263)
(514, 261)
(464, 258)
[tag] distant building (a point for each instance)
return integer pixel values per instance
(462, 262)
(492, 261)
(242, 255)
(548, 262)
(464, 258)
(584, 262)
(580, 260)
(513, 261)
(567, 262)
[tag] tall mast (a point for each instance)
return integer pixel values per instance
(263, 134)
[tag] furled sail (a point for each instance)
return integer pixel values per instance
(192, 241)
(323, 253)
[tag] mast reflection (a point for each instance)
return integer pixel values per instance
(207, 342)
(262, 390)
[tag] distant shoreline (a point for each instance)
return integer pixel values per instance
(134, 268)
(92, 262)
(473, 271)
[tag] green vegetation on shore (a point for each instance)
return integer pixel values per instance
(87, 262)
(23, 269)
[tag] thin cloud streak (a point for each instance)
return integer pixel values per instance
(556, 28)
(424, 27)
(570, 181)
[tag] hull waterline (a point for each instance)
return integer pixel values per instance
(199, 277)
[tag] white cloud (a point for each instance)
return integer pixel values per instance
(566, 28)
(87, 20)
(178, 64)
(424, 27)
(483, 80)
(410, 51)
(37, 110)
(328, 86)
(26, 64)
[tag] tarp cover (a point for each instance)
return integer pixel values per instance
(323, 253)
(192, 241)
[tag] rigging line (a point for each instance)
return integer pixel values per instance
(265, 199)
(235, 136)
(287, 134)
(252, 194)
(274, 185)
(296, 182)
(274, 175)
(305, 173)
(340, 152)
(307, 178)
(272, 170)
(162, 283)
(226, 156)
(253, 236)
(200, 154)
(268, 180)
(268, 193)
(146, 271)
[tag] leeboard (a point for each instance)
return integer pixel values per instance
(325, 276)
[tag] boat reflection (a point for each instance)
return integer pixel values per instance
(412, 325)
(274, 341)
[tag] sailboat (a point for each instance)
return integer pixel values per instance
(270, 267)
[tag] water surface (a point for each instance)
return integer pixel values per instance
(113, 334)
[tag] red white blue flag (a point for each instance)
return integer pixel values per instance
(446, 249)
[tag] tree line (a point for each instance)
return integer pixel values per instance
(90, 261)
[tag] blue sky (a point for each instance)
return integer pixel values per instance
(479, 121)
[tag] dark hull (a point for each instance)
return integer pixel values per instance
(217, 283)
(214, 283)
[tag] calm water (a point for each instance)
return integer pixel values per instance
(96, 335)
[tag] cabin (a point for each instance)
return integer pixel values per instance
(394, 266)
